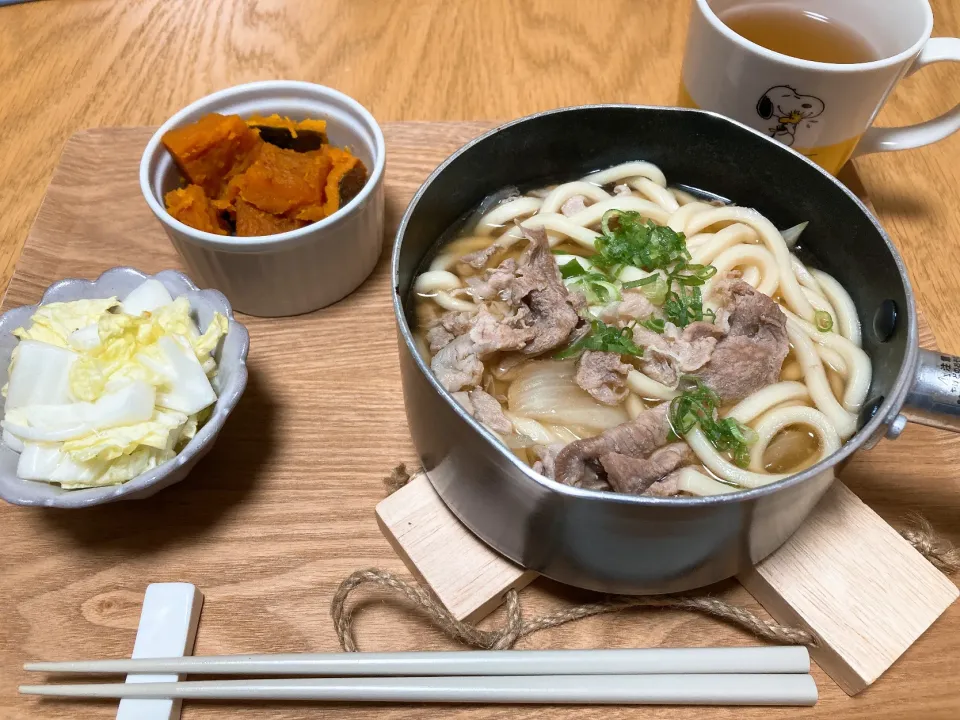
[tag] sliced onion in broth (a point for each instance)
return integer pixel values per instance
(545, 390)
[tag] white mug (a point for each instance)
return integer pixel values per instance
(822, 110)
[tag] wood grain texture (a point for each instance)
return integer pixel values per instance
(283, 507)
(467, 576)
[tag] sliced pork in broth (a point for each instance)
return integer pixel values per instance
(617, 334)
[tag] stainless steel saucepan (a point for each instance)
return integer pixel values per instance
(626, 544)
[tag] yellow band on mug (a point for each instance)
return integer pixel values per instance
(830, 157)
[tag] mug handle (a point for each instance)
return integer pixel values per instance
(941, 49)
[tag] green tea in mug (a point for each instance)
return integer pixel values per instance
(799, 33)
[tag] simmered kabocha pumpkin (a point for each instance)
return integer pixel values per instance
(251, 221)
(283, 132)
(192, 207)
(263, 176)
(283, 182)
(344, 181)
(212, 150)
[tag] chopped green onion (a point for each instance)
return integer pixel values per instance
(654, 287)
(605, 221)
(596, 288)
(692, 274)
(602, 291)
(823, 321)
(629, 240)
(655, 324)
(657, 292)
(631, 284)
(572, 269)
(685, 306)
(699, 405)
(606, 338)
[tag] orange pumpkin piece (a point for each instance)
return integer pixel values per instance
(311, 213)
(280, 182)
(253, 222)
(192, 207)
(228, 196)
(344, 181)
(212, 150)
(302, 135)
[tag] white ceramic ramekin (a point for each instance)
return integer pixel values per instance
(297, 271)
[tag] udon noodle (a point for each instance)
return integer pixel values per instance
(639, 342)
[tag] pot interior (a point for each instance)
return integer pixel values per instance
(695, 149)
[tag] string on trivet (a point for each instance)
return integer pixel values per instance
(939, 551)
(397, 478)
(515, 627)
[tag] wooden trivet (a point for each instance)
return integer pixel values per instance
(845, 575)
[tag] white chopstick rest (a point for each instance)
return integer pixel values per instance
(785, 689)
(168, 628)
(645, 661)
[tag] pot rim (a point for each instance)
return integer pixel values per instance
(887, 411)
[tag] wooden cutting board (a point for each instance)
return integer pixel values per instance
(283, 507)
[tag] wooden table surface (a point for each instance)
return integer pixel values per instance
(67, 65)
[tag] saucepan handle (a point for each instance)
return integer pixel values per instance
(934, 398)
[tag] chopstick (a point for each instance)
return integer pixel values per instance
(693, 689)
(648, 676)
(645, 661)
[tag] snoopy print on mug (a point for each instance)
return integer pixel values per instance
(788, 110)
